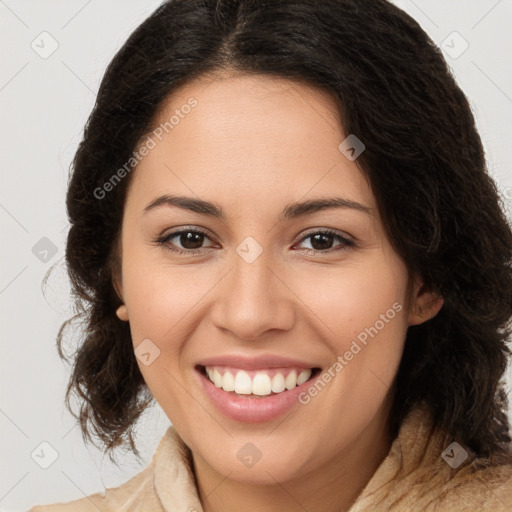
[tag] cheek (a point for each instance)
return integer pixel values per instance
(362, 312)
(164, 304)
(159, 295)
(356, 298)
(160, 301)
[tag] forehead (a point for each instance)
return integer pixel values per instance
(250, 139)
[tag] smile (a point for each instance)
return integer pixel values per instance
(260, 383)
(255, 390)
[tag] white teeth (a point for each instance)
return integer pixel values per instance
(217, 378)
(228, 382)
(261, 384)
(291, 380)
(303, 377)
(243, 383)
(278, 383)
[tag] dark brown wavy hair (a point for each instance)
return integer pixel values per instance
(424, 160)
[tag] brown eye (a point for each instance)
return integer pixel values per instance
(322, 241)
(191, 239)
(184, 241)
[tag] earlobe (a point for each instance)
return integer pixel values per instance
(122, 313)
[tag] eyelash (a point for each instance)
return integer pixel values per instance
(346, 243)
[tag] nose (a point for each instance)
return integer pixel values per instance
(253, 299)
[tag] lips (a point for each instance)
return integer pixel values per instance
(254, 389)
(265, 361)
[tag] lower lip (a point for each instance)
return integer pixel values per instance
(252, 410)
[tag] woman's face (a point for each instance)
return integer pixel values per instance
(270, 289)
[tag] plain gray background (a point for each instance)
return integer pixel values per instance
(44, 103)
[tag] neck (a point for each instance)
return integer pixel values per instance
(332, 487)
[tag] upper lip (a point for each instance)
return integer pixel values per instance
(255, 362)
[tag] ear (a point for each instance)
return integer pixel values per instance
(425, 304)
(121, 312)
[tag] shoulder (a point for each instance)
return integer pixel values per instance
(477, 488)
(137, 494)
(434, 487)
(450, 477)
(426, 470)
(144, 491)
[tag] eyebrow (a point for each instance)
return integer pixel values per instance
(290, 211)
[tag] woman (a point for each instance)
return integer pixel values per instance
(283, 231)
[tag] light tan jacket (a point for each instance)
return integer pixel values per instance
(416, 475)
